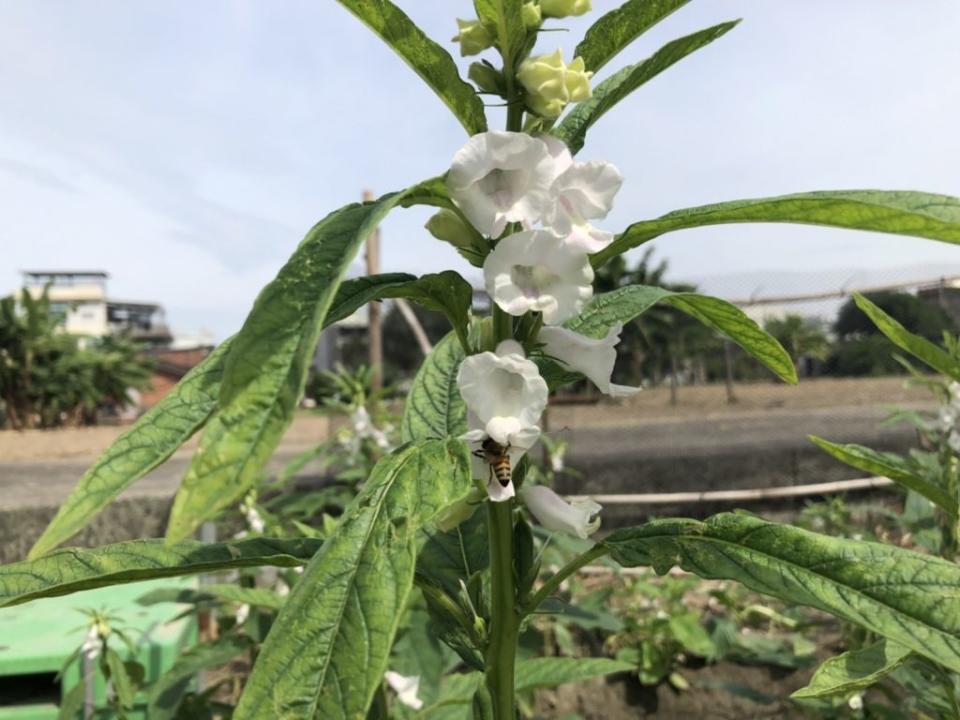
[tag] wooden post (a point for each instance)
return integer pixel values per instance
(374, 333)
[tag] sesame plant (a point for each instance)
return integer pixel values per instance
(447, 515)
(931, 477)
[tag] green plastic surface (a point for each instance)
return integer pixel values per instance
(36, 639)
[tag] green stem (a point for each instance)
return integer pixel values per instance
(551, 585)
(462, 337)
(504, 620)
(502, 326)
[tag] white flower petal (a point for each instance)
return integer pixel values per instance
(583, 192)
(500, 177)
(405, 687)
(517, 443)
(578, 518)
(500, 493)
(587, 238)
(562, 159)
(536, 271)
(506, 393)
(593, 357)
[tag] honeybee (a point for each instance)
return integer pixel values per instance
(496, 456)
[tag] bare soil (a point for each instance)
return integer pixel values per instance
(752, 399)
(88, 442)
(622, 697)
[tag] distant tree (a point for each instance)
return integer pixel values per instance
(47, 379)
(861, 349)
(914, 313)
(804, 338)
(662, 342)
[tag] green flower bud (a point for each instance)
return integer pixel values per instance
(531, 14)
(565, 8)
(551, 84)
(473, 37)
(487, 78)
(446, 225)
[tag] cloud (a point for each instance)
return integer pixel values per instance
(35, 174)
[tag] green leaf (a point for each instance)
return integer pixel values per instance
(73, 569)
(147, 444)
(258, 597)
(167, 692)
(854, 670)
(123, 684)
(172, 421)
(449, 557)
(624, 304)
(427, 59)
(532, 674)
(892, 466)
(71, 705)
(505, 17)
(434, 408)
(548, 672)
(936, 217)
(618, 28)
(354, 294)
(573, 128)
(327, 651)
(910, 598)
(921, 348)
(446, 292)
(267, 366)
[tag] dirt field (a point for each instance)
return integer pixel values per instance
(81, 443)
(649, 406)
(705, 401)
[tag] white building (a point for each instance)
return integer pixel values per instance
(80, 297)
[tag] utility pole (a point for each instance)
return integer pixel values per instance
(375, 336)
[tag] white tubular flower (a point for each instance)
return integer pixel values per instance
(579, 517)
(92, 644)
(405, 687)
(517, 444)
(536, 271)
(500, 177)
(590, 356)
(255, 520)
(503, 390)
(243, 612)
(584, 192)
(954, 441)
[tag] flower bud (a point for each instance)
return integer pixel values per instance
(461, 511)
(446, 225)
(565, 8)
(551, 84)
(473, 37)
(532, 15)
(486, 77)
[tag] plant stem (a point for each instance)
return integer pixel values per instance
(502, 326)
(504, 620)
(551, 585)
(504, 617)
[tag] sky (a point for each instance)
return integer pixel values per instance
(186, 147)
